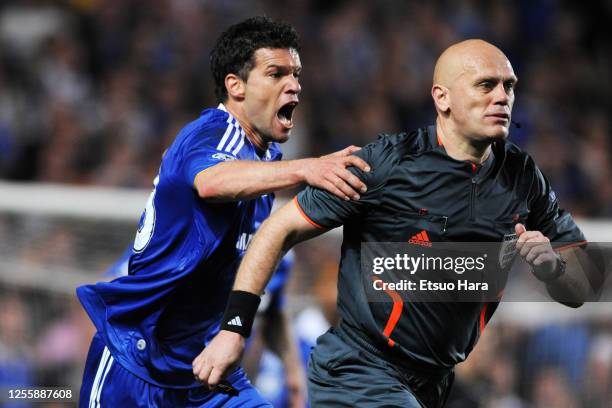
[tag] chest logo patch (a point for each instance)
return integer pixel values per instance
(420, 239)
(223, 156)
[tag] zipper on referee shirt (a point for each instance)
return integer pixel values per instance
(473, 198)
(475, 169)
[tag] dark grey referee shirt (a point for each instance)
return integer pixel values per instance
(415, 187)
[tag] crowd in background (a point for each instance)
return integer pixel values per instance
(93, 91)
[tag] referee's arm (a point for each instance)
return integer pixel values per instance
(572, 278)
(583, 280)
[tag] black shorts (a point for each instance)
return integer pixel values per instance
(341, 373)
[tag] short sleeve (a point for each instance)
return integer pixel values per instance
(547, 217)
(325, 210)
(207, 148)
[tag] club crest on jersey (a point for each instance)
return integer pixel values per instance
(508, 251)
(223, 156)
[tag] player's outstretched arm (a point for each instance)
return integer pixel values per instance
(285, 228)
(242, 180)
(569, 280)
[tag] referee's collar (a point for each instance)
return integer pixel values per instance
(482, 169)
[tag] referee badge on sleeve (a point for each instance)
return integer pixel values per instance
(507, 251)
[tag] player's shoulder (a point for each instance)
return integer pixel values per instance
(393, 146)
(212, 123)
(516, 160)
(416, 141)
(207, 134)
(382, 155)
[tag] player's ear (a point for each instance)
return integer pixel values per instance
(441, 97)
(235, 86)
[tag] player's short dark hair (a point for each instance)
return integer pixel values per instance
(234, 51)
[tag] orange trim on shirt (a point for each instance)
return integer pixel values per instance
(483, 315)
(396, 312)
(571, 245)
(307, 218)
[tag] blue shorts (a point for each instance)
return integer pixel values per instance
(107, 384)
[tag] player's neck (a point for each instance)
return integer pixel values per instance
(460, 147)
(254, 137)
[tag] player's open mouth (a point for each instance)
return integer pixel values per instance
(285, 114)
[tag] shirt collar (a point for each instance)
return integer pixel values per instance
(231, 117)
(435, 141)
(266, 155)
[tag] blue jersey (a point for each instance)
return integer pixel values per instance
(274, 294)
(158, 318)
(121, 265)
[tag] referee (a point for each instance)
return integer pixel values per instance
(457, 181)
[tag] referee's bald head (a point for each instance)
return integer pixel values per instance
(462, 57)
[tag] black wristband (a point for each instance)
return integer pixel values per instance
(560, 271)
(240, 312)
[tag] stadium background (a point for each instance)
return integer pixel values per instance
(91, 93)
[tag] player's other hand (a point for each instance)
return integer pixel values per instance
(219, 358)
(535, 248)
(330, 173)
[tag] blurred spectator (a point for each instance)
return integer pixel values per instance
(597, 390)
(315, 320)
(62, 347)
(503, 384)
(564, 347)
(16, 358)
(552, 389)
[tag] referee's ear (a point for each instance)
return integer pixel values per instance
(441, 97)
(235, 86)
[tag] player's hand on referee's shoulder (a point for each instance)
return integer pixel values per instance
(330, 173)
(537, 251)
(219, 358)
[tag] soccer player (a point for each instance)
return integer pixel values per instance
(459, 180)
(215, 181)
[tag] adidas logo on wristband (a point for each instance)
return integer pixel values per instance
(235, 322)
(240, 312)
